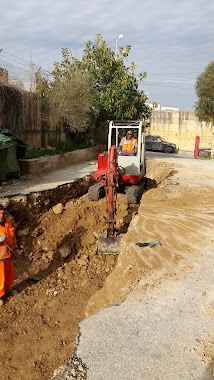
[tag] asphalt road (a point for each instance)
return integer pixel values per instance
(153, 336)
(181, 154)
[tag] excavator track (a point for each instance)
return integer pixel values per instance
(135, 192)
(96, 192)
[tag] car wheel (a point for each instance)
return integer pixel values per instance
(167, 149)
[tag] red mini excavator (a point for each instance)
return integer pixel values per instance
(115, 172)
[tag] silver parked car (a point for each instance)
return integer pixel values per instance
(156, 143)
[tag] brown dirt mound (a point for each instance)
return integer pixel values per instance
(41, 321)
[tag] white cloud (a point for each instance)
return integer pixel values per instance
(167, 36)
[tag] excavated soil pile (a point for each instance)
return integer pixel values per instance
(59, 247)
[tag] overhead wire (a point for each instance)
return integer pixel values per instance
(13, 60)
(158, 77)
(193, 72)
(12, 65)
(160, 80)
(169, 81)
(162, 85)
(27, 63)
(15, 56)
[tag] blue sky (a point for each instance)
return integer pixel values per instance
(172, 40)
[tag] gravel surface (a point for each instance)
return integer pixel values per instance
(154, 335)
(74, 370)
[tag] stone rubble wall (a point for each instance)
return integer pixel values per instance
(181, 127)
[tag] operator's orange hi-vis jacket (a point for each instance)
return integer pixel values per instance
(9, 231)
(128, 146)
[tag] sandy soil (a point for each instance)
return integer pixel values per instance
(41, 321)
(175, 214)
(179, 214)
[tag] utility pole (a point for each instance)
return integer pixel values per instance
(31, 71)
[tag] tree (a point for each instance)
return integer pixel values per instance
(204, 107)
(69, 97)
(71, 100)
(116, 85)
(96, 88)
(118, 96)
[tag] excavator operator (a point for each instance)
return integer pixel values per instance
(128, 145)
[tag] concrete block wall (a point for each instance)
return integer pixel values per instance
(43, 164)
(180, 127)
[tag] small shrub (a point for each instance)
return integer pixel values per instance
(61, 147)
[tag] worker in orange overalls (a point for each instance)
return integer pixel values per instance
(128, 145)
(7, 246)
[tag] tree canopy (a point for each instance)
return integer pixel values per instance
(72, 98)
(100, 86)
(204, 107)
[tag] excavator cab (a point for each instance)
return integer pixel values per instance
(131, 168)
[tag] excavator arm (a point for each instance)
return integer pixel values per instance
(109, 243)
(112, 175)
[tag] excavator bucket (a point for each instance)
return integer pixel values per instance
(109, 245)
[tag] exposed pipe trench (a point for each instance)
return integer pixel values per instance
(57, 234)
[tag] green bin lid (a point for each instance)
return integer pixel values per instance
(5, 142)
(12, 135)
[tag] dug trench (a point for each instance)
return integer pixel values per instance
(58, 245)
(57, 235)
